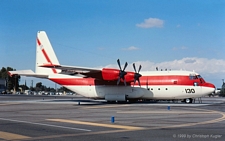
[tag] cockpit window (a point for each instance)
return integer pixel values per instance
(201, 79)
(193, 77)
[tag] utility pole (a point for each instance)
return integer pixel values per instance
(31, 87)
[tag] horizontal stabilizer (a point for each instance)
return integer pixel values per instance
(28, 73)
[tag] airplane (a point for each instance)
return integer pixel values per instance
(114, 84)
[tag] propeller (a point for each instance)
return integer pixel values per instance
(122, 73)
(147, 84)
(137, 75)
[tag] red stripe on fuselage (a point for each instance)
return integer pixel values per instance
(144, 80)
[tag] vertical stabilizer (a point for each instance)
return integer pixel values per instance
(45, 55)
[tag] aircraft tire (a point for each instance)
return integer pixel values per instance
(132, 100)
(188, 100)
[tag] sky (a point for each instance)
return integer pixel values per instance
(174, 34)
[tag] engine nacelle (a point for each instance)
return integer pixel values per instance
(110, 74)
(129, 77)
(113, 74)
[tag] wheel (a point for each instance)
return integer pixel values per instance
(188, 100)
(132, 100)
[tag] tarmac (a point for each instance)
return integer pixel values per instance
(26, 117)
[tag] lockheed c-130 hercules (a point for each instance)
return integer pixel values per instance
(114, 84)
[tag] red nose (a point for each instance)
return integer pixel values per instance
(210, 85)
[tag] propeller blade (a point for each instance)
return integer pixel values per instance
(118, 62)
(134, 67)
(122, 73)
(139, 69)
(137, 75)
(118, 81)
(134, 82)
(139, 82)
(125, 66)
(124, 80)
(147, 84)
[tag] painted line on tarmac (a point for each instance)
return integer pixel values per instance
(6, 104)
(163, 112)
(43, 124)
(105, 106)
(77, 134)
(12, 136)
(98, 124)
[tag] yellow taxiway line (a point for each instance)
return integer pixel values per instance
(98, 124)
(74, 135)
(104, 106)
(6, 104)
(165, 112)
(12, 136)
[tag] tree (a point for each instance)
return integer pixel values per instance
(24, 87)
(3, 73)
(39, 86)
(11, 82)
(63, 89)
(32, 88)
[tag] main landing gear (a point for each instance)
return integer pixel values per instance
(188, 100)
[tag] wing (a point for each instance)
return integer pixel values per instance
(74, 70)
(28, 73)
